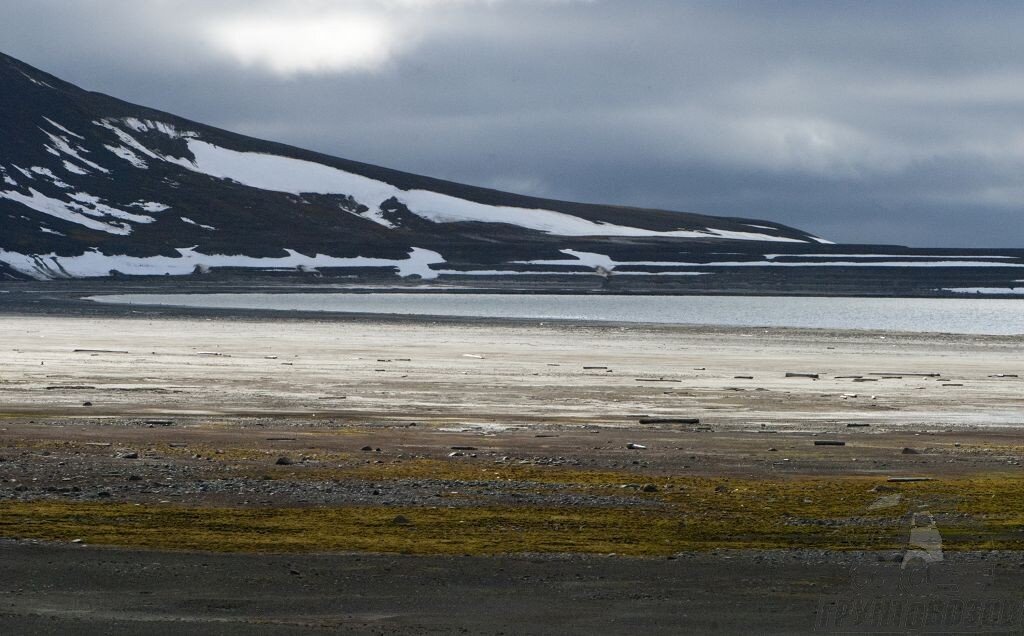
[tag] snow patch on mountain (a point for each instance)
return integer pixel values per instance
(150, 206)
(986, 290)
(54, 179)
(73, 169)
(191, 222)
(146, 125)
(64, 210)
(296, 176)
(93, 206)
(64, 146)
(94, 263)
(128, 155)
(889, 256)
(63, 129)
(37, 82)
(589, 259)
(136, 145)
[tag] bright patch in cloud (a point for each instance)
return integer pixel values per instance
(289, 46)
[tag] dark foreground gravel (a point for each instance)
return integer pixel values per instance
(63, 589)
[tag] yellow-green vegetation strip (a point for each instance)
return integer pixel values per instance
(696, 514)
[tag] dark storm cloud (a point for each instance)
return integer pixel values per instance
(861, 121)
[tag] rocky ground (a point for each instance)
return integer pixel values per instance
(208, 476)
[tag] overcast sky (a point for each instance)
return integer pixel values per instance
(893, 122)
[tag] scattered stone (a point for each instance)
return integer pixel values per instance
(159, 422)
(649, 488)
(284, 461)
(464, 448)
(128, 455)
(657, 380)
(366, 448)
(812, 376)
(401, 520)
(632, 446)
(86, 403)
(857, 424)
(909, 451)
(909, 479)
(742, 377)
(456, 454)
(828, 442)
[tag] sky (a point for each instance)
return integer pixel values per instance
(860, 121)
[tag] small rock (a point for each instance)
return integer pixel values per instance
(401, 520)
(366, 448)
(909, 451)
(632, 446)
(284, 461)
(129, 455)
(86, 403)
(649, 488)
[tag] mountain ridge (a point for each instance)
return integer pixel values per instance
(91, 185)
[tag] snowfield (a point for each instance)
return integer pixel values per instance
(296, 176)
(588, 259)
(94, 263)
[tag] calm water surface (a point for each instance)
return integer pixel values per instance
(950, 315)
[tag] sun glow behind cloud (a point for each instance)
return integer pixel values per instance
(334, 36)
(324, 44)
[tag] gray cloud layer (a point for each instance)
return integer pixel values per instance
(860, 121)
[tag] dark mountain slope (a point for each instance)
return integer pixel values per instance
(91, 185)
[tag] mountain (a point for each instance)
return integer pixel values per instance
(92, 186)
